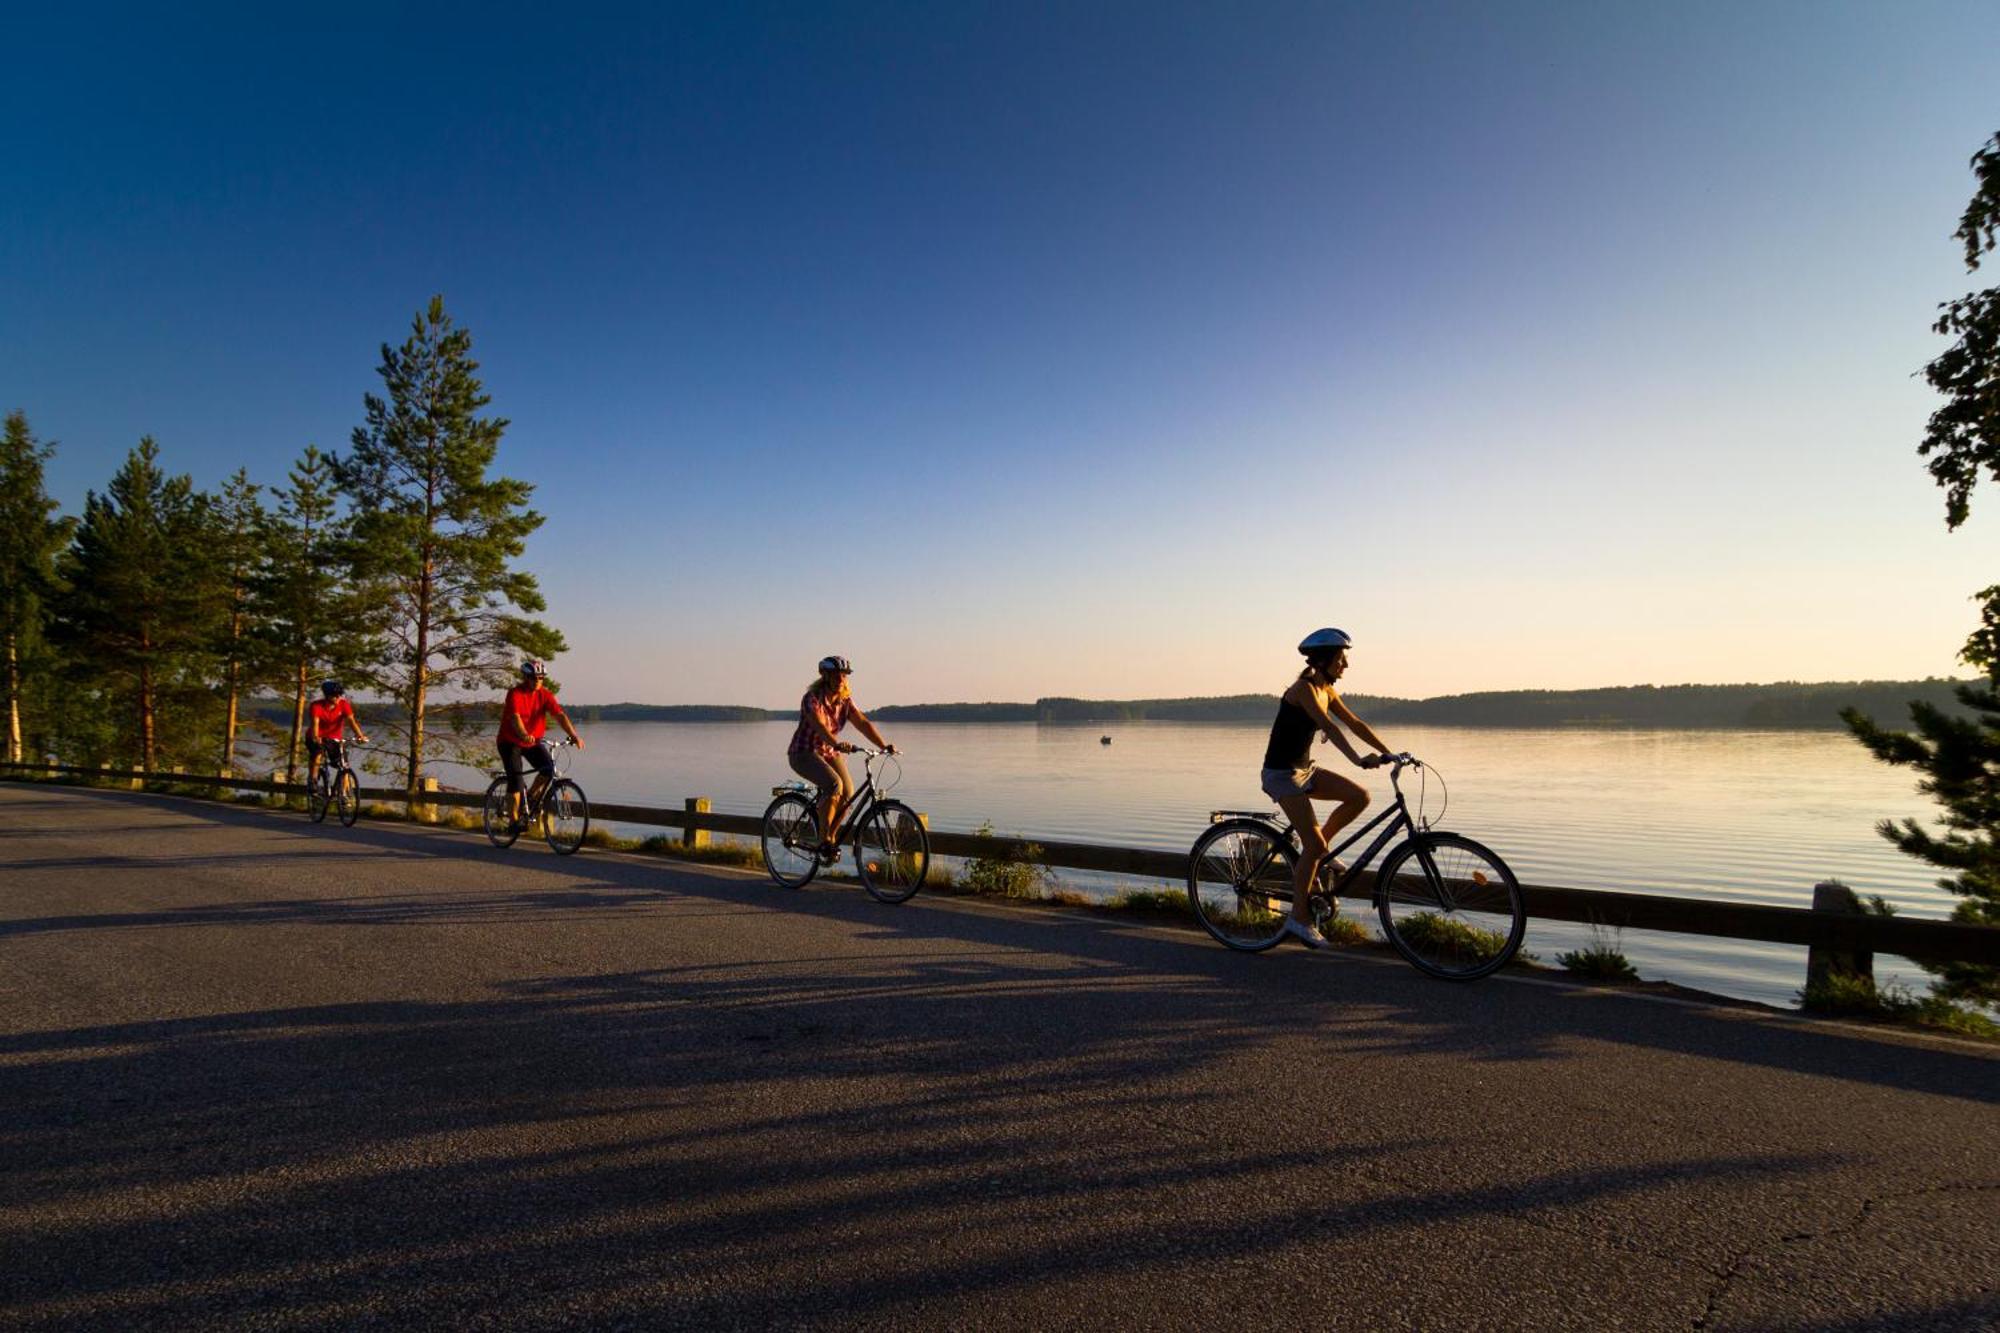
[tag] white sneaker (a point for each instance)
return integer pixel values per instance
(1305, 933)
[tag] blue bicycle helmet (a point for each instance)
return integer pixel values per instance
(1325, 642)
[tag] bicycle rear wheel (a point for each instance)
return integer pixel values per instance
(1240, 883)
(892, 852)
(499, 815)
(319, 794)
(347, 797)
(791, 840)
(565, 816)
(1450, 906)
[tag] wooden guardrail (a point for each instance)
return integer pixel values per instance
(1837, 931)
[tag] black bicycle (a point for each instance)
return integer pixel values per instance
(334, 787)
(1448, 905)
(558, 806)
(892, 849)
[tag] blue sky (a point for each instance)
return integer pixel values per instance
(1091, 349)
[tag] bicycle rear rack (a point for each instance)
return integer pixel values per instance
(789, 786)
(1217, 816)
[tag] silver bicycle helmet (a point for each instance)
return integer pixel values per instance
(1324, 642)
(839, 664)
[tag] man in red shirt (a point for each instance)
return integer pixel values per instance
(326, 737)
(524, 717)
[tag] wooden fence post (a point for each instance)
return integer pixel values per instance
(692, 837)
(1824, 962)
(426, 812)
(138, 783)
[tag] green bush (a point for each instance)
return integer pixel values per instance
(1842, 995)
(1601, 960)
(1017, 872)
(1154, 900)
(1432, 931)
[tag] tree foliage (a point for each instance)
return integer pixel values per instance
(234, 550)
(436, 534)
(1962, 440)
(1960, 760)
(311, 619)
(131, 620)
(31, 535)
(1960, 756)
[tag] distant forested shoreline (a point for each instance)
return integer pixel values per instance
(1783, 706)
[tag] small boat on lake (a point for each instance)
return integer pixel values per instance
(1104, 740)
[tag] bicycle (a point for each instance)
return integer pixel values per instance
(1450, 906)
(561, 808)
(892, 849)
(335, 786)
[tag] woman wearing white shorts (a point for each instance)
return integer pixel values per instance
(1310, 707)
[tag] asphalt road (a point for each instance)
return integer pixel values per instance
(255, 1073)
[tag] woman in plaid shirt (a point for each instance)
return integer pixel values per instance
(816, 746)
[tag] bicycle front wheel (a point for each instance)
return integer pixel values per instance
(892, 851)
(1240, 883)
(1450, 906)
(319, 795)
(500, 828)
(347, 797)
(791, 840)
(565, 816)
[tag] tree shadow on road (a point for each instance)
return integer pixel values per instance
(746, 1143)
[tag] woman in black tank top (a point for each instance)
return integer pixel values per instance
(1311, 705)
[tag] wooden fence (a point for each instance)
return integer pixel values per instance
(1836, 928)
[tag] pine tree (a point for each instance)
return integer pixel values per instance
(130, 616)
(30, 537)
(310, 619)
(438, 533)
(235, 543)
(1960, 758)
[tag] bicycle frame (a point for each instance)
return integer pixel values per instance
(1398, 819)
(860, 803)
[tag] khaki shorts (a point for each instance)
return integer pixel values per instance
(1283, 782)
(829, 775)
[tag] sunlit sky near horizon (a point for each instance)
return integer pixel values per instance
(1088, 349)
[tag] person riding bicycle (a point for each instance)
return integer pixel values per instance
(330, 714)
(816, 747)
(524, 719)
(1308, 707)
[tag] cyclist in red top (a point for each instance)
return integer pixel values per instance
(524, 718)
(326, 737)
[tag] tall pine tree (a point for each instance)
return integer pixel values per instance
(439, 533)
(235, 543)
(309, 617)
(30, 537)
(1960, 758)
(130, 617)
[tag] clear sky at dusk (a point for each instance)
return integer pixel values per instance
(1078, 348)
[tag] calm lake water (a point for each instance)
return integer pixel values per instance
(1749, 816)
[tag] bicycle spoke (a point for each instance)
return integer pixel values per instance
(791, 840)
(892, 853)
(565, 816)
(1240, 884)
(1461, 916)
